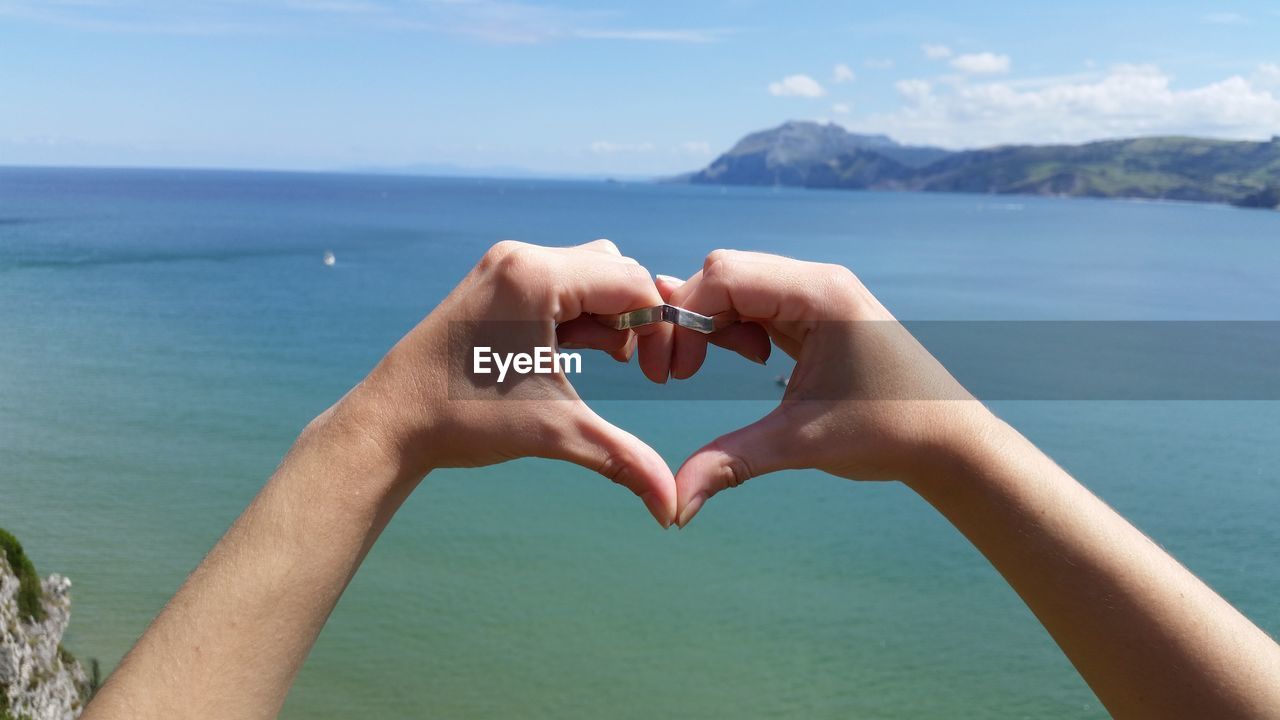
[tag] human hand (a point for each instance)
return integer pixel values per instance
(865, 401)
(425, 408)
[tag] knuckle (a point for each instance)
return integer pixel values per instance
(834, 280)
(736, 471)
(498, 251)
(636, 271)
(837, 273)
(503, 247)
(608, 244)
(715, 258)
(613, 468)
(519, 262)
(720, 264)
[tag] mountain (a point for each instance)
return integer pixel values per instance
(859, 170)
(789, 153)
(1174, 168)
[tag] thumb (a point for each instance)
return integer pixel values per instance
(730, 460)
(594, 443)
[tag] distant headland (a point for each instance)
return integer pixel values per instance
(813, 155)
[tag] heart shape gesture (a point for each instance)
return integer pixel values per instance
(864, 401)
(861, 402)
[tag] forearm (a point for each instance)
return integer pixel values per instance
(1150, 638)
(231, 640)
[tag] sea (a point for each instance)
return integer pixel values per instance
(165, 334)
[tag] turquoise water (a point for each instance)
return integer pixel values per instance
(164, 335)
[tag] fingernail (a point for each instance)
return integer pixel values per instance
(655, 509)
(690, 509)
(668, 278)
(758, 360)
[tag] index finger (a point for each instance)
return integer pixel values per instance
(602, 283)
(768, 289)
(584, 280)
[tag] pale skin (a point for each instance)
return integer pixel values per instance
(1150, 638)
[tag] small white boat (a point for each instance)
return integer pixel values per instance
(329, 258)
(782, 380)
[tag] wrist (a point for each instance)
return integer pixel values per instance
(971, 440)
(354, 434)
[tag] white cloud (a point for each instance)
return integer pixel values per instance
(984, 63)
(841, 108)
(1267, 75)
(606, 147)
(674, 36)
(1128, 100)
(843, 74)
(1225, 18)
(936, 52)
(878, 63)
(914, 90)
(695, 147)
(797, 86)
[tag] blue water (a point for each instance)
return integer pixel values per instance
(165, 334)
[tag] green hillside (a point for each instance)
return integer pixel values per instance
(1172, 168)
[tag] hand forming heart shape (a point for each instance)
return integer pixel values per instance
(863, 401)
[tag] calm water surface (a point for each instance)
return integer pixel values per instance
(164, 335)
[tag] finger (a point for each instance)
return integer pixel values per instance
(602, 245)
(655, 342)
(600, 282)
(766, 287)
(688, 348)
(590, 441)
(652, 341)
(789, 344)
(587, 332)
(678, 290)
(785, 295)
(588, 281)
(667, 285)
(728, 461)
(658, 354)
(748, 339)
(689, 351)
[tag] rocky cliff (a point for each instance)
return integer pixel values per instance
(39, 680)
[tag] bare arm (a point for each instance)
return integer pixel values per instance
(1149, 637)
(232, 639)
(866, 401)
(230, 642)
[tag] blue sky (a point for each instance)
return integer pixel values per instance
(607, 87)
